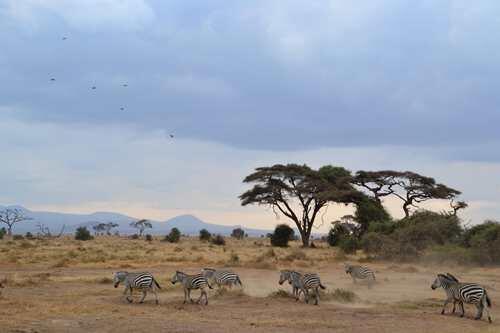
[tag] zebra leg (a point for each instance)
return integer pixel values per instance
(479, 314)
(317, 296)
(156, 297)
(189, 296)
(306, 295)
(444, 306)
(454, 305)
(128, 290)
(185, 295)
(144, 293)
(463, 310)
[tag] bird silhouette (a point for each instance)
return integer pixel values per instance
(122, 108)
(171, 136)
(94, 87)
(64, 38)
(52, 79)
(125, 85)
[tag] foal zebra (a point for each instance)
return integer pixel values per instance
(360, 273)
(190, 282)
(469, 293)
(141, 281)
(302, 283)
(221, 278)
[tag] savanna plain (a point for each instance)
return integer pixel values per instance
(65, 285)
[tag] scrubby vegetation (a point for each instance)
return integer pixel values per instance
(205, 236)
(174, 236)
(83, 234)
(238, 233)
(218, 240)
(282, 235)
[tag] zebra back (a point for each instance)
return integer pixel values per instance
(196, 281)
(359, 272)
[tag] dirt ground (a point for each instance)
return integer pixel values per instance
(39, 297)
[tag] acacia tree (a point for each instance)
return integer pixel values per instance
(11, 216)
(141, 225)
(299, 192)
(410, 187)
(104, 227)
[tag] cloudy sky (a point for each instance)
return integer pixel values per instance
(368, 84)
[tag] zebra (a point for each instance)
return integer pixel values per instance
(302, 283)
(142, 281)
(1, 287)
(360, 273)
(221, 277)
(190, 282)
(460, 292)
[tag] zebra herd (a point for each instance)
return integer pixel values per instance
(456, 291)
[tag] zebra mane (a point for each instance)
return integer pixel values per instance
(451, 277)
(209, 269)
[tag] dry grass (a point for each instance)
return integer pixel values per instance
(72, 282)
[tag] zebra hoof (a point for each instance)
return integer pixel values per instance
(489, 320)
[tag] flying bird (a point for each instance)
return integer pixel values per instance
(94, 87)
(64, 38)
(171, 136)
(52, 79)
(122, 108)
(125, 85)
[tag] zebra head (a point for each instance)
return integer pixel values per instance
(178, 277)
(441, 281)
(285, 276)
(119, 277)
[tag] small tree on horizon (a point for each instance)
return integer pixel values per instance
(141, 225)
(282, 235)
(205, 235)
(238, 233)
(83, 234)
(12, 216)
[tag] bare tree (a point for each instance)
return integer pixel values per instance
(11, 216)
(44, 231)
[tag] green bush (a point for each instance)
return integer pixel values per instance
(83, 234)
(218, 240)
(134, 236)
(205, 235)
(336, 234)
(174, 236)
(349, 244)
(282, 235)
(382, 227)
(484, 242)
(2, 232)
(149, 238)
(29, 235)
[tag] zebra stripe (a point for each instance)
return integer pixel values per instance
(302, 283)
(470, 293)
(360, 273)
(190, 282)
(222, 278)
(140, 281)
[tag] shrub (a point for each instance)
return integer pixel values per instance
(205, 235)
(238, 233)
(218, 240)
(18, 237)
(234, 259)
(149, 238)
(174, 236)
(83, 234)
(134, 236)
(29, 235)
(339, 295)
(2, 232)
(349, 244)
(336, 234)
(483, 242)
(281, 235)
(296, 254)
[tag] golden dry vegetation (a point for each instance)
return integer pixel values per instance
(64, 285)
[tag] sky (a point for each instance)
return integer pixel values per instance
(368, 85)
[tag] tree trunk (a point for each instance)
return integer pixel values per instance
(406, 209)
(9, 230)
(305, 235)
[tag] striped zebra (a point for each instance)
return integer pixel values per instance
(302, 283)
(460, 292)
(190, 282)
(141, 281)
(221, 277)
(360, 273)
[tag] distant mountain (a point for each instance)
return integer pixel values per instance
(187, 224)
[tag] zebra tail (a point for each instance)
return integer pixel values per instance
(209, 286)
(322, 286)
(239, 281)
(157, 284)
(488, 300)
